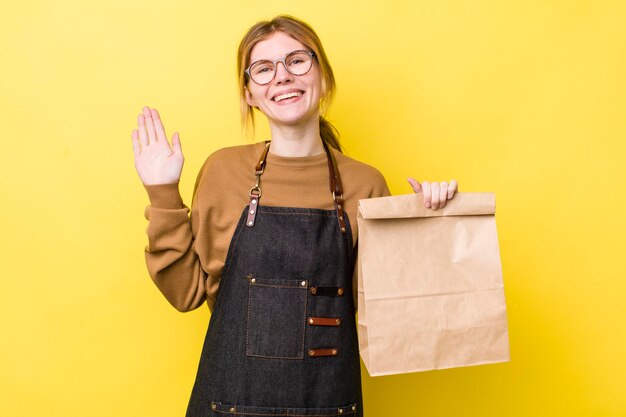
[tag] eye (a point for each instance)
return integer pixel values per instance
(262, 67)
(298, 58)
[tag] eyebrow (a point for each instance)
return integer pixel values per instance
(272, 60)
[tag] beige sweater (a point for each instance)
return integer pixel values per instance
(186, 252)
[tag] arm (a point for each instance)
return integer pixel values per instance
(171, 258)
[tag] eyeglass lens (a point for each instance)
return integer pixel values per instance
(297, 63)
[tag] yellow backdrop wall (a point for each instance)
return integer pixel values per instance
(522, 98)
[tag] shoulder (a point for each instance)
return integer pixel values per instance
(352, 165)
(359, 175)
(234, 156)
(226, 166)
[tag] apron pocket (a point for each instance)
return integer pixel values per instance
(276, 318)
(219, 409)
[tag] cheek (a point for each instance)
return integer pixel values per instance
(320, 90)
(318, 85)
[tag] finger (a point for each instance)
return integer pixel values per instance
(135, 141)
(149, 125)
(452, 188)
(415, 185)
(143, 133)
(434, 203)
(427, 193)
(178, 150)
(158, 126)
(443, 194)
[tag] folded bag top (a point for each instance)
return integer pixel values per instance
(412, 205)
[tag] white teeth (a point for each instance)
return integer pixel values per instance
(287, 95)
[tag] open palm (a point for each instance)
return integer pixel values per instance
(155, 160)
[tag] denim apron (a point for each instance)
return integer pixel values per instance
(282, 337)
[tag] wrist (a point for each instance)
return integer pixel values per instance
(166, 196)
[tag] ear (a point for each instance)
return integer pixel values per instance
(250, 99)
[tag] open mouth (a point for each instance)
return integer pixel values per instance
(286, 96)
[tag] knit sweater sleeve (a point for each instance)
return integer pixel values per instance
(171, 256)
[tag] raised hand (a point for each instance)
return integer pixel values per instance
(436, 194)
(156, 162)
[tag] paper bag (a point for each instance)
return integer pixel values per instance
(430, 292)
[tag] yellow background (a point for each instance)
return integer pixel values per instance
(522, 98)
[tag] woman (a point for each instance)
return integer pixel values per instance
(282, 335)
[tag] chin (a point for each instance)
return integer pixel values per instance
(294, 119)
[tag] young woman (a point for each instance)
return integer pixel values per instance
(269, 244)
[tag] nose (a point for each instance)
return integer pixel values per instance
(282, 75)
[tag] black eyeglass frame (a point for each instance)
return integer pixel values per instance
(283, 60)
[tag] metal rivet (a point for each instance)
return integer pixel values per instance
(253, 280)
(343, 229)
(311, 352)
(213, 406)
(340, 217)
(313, 290)
(354, 407)
(338, 321)
(340, 291)
(251, 211)
(339, 206)
(334, 351)
(250, 223)
(311, 321)
(232, 409)
(253, 201)
(303, 283)
(340, 410)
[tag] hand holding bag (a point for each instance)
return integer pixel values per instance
(430, 291)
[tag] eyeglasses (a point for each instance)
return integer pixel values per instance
(296, 62)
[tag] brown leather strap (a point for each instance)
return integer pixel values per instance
(335, 187)
(255, 192)
(260, 166)
(324, 321)
(323, 352)
(252, 208)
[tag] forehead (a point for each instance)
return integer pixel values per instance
(276, 46)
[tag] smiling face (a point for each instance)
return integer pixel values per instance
(288, 99)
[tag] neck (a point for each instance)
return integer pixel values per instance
(297, 140)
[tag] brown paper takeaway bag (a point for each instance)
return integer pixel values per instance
(430, 293)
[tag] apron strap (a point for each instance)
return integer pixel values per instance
(335, 187)
(334, 182)
(255, 192)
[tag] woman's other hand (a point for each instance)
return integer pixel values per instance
(436, 194)
(156, 162)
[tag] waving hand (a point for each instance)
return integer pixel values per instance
(155, 160)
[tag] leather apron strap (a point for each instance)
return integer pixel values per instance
(335, 186)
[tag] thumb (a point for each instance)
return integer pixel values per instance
(176, 148)
(415, 184)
